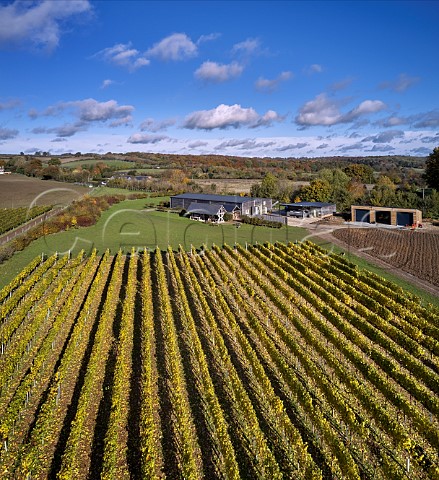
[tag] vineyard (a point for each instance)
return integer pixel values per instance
(397, 249)
(267, 362)
(11, 218)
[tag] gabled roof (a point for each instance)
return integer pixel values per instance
(308, 204)
(204, 209)
(207, 197)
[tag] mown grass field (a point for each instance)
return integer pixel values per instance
(136, 223)
(119, 164)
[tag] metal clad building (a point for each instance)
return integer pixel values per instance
(247, 205)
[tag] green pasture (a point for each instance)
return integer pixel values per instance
(119, 164)
(137, 223)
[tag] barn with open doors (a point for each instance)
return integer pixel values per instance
(398, 217)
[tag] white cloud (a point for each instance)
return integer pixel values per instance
(123, 55)
(106, 83)
(243, 144)
(9, 104)
(401, 84)
(177, 46)
(66, 130)
(90, 110)
(146, 138)
(152, 125)
(426, 119)
(198, 143)
(292, 146)
(86, 111)
(341, 85)
(325, 111)
(265, 85)
(7, 133)
(208, 38)
(384, 137)
(218, 73)
(314, 68)
(37, 23)
(229, 116)
(250, 46)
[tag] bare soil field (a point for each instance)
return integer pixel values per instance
(413, 251)
(21, 191)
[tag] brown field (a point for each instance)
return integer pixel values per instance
(414, 251)
(234, 185)
(21, 191)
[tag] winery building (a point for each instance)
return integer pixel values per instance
(231, 203)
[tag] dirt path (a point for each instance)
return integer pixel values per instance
(325, 233)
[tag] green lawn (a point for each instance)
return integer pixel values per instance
(136, 223)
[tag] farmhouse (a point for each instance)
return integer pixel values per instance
(386, 215)
(309, 209)
(232, 203)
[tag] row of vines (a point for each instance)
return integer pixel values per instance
(11, 218)
(397, 248)
(265, 362)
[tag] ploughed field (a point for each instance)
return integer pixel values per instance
(276, 361)
(414, 251)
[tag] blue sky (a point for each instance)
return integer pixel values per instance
(246, 78)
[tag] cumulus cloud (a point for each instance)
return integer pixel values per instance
(90, 110)
(197, 144)
(106, 83)
(325, 111)
(177, 46)
(217, 72)
(266, 85)
(314, 68)
(429, 139)
(292, 146)
(341, 85)
(385, 137)
(251, 46)
(208, 38)
(426, 120)
(87, 112)
(9, 104)
(151, 125)
(66, 130)
(123, 55)
(229, 116)
(421, 151)
(7, 133)
(243, 144)
(401, 84)
(323, 145)
(37, 23)
(146, 138)
(353, 146)
(381, 148)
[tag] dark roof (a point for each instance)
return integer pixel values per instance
(230, 208)
(308, 204)
(207, 197)
(204, 209)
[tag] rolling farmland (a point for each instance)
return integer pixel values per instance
(276, 361)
